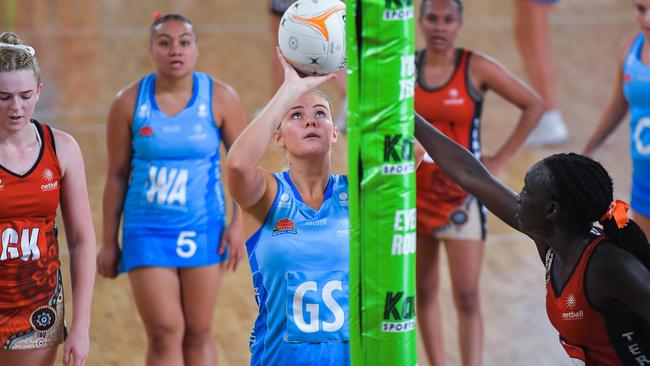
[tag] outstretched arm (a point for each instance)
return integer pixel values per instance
(461, 166)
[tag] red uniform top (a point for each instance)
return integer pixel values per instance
(590, 336)
(455, 109)
(29, 252)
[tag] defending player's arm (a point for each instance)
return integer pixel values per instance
(492, 75)
(232, 124)
(463, 168)
(80, 236)
(615, 111)
(118, 136)
(250, 185)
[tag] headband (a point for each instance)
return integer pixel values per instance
(22, 47)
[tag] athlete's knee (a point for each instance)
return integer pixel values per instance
(467, 302)
(426, 292)
(165, 336)
(197, 335)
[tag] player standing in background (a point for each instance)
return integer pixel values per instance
(532, 34)
(632, 92)
(40, 169)
(450, 87)
(164, 134)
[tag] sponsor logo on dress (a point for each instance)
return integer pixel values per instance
(203, 110)
(453, 98)
(284, 226)
(321, 222)
(573, 313)
(143, 112)
(198, 133)
(627, 78)
(171, 129)
(50, 183)
(284, 200)
(145, 131)
(343, 199)
(1, 185)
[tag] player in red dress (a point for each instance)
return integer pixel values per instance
(40, 168)
(451, 85)
(598, 282)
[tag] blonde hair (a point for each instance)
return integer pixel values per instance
(17, 58)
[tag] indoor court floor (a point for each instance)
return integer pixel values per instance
(90, 49)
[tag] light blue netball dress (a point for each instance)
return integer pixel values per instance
(636, 88)
(174, 210)
(300, 262)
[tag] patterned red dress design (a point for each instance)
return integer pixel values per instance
(31, 299)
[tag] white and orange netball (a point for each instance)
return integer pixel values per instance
(312, 36)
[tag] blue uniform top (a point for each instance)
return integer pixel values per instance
(636, 88)
(174, 209)
(300, 263)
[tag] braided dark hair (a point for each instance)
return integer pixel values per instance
(160, 19)
(584, 187)
(458, 3)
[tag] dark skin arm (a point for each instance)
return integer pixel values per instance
(617, 280)
(463, 168)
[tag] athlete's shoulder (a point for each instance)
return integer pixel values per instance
(223, 91)
(64, 142)
(127, 96)
(610, 264)
(481, 60)
(625, 46)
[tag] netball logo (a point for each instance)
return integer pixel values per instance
(571, 302)
(454, 98)
(572, 313)
(48, 177)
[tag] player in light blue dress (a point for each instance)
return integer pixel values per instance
(299, 256)
(164, 181)
(632, 92)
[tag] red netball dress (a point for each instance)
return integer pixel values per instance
(590, 336)
(31, 292)
(454, 109)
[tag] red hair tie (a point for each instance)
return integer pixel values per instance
(618, 211)
(156, 15)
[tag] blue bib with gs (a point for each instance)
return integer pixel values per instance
(300, 263)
